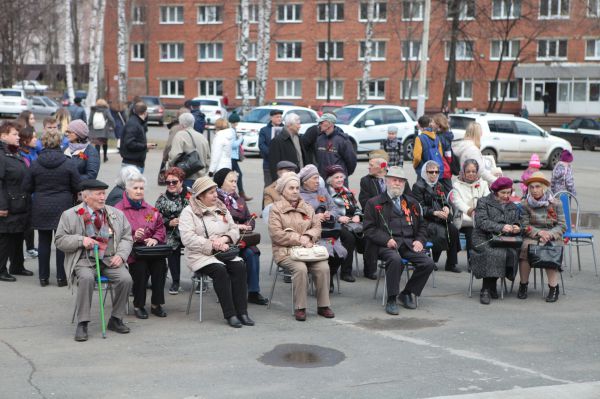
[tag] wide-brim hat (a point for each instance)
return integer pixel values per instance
(202, 184)
(396, 171)
(539, 178)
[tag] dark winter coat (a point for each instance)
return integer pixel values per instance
(264, 143)
(115, 195)
(54, 183)
(86, 162)
(369, 188)
(13, 197)
(335, 149)
(283, 149)
(170, 207)
(134, 144)
(199, 120)
(119, 117)
(309, 141)
(109, 126)
(434, 199)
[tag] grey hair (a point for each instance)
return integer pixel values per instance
(131, 180)
(125, 174)
(291, 117)
(186, 120)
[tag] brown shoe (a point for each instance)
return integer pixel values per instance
(300, 314)
(326, 312)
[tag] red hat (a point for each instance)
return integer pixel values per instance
(333, 169)
(501, 183)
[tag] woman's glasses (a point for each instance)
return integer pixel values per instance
(172, 182)
(433, 172)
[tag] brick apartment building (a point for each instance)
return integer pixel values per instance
(186, 48)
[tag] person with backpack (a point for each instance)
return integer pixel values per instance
(441, 126)
(428, 146)
(101, 124)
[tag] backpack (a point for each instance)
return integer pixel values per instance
(431, 151)
(98, 121)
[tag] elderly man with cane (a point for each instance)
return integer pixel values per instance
(81, 228)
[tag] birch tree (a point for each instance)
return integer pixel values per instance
(122, 50)
(243, 45)
(95, 49)
(366, 75)
(450, 83)
(68, 49)
(263, 49)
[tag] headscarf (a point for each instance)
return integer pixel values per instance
(230, 200)
(468, 162)
(424, 173)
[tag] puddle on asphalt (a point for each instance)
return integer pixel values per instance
(302, 356)
(407, 323)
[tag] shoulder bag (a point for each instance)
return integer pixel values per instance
(189, 162)
(506, 241)
(548, 256)
(251, 238)
(157, 251)
(313, 254)
(223, 256)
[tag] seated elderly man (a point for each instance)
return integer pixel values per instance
(79, 230)
(393, 222)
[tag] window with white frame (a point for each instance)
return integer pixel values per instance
(212, 87)
(413, 10)
(251, 56)
(410, 89)
(411, 50)
(579, 90)
(506, 9)
(251, 89)
(593, 9)
(171, 14)
(508, 49)
(289, 51)
(379, 12)
(252, 14)
(464, 50)
(210, 51)
(592, 49)
(171, 88)
(335, 93)
(376, 89)
(509, 90)
(377, 50)
(554, 8)
(594, 91)
(466, 10)
(464, 90)
(336, 13)
(138, 52)
(138, 15)
(171, 52)
(288, 89)
(336, 50)
(552, 49)
(210, 14)
(289, 13)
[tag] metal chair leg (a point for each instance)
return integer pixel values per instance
(470, 290)
(194, 282)
(542, 280)
(271, 268)
(201, 295)
(379, 269)
(502, 287)
(594, 256)
(272, 289)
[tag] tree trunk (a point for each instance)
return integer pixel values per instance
(76, 53)
(243, 44)
(263, 50)
(122, 51)
(96, 44)
(366, 75)
(450, 83)
(68, 50)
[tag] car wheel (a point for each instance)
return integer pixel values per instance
(409, 146)
(587, 145)
(489, 151)
(554, 158)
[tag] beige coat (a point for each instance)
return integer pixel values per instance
(287, 224)
(198, 248)
(182, 143)
(270, 195)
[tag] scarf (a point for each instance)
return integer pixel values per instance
(13, 149)
(424, 174)
(542, 202)
(137, 205)
(230, 200)
(200, 209)
(74, 147)
(173, 196)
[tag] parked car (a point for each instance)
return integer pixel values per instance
(330, 107)
(511, 139)
(367, 125)
(32, 86)
(580, 132)
(13, 102)
(156, 110)
(213, 108)
(43, 105)
(259, 117)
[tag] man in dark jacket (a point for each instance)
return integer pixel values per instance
(309, 141)
(393, 222)
(134, 145)
(286, 146)
(199, 117)
(334, 147)
(77, 111)
(265, 136)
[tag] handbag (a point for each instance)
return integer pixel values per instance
(162, 177)
(251, 238)
(506, 242)
(548, 256)
(312, 254)
(189, 162)
(355, 228)
(223, 256)
(155, 252)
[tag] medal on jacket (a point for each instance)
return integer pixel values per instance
(406, 212)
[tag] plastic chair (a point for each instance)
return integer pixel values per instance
(107, 288)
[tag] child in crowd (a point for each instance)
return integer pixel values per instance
(393, 147)
(534, 166)
(562, 175)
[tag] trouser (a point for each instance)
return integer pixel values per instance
(104, 149)
(11, 247)
(334, 264)
(489, 283)
(453, 247)
(235, 166)
(349, 242)
(423, 266)
(252, 260)
(44, 251)
(86, 277)
(267, 176)
(468, 232)
(370, 258)
(140, 271)
(321, 277)
(29, 236)
(229, 281)
(174, 261)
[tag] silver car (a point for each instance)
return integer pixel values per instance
(42, 105)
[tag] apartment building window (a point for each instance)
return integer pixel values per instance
(464, 50)
(171, 88)
(594, 91)
(552, 49)
(379, 13)
(171, 14)
(138, 15)
(497, 90)
(376, 90)
(252, 47)
(466, 10)
(252, 14)
(210, 87)
(593, 9)
(336, 13)
(464, 90)
(410, 89)
(287, 13)
(377, 50)
(592, 49)
(210, 51)
(411, 50)
(335, 93)
(508, 49)
(289, 51)
(210, 14)
(251, 89)
(288, 89)
(506, 9)
(138, 52)
(554, 8)
(413, 10)
(336, 51)
(171, 52)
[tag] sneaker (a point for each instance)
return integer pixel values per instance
(174, 290)
(32, 253)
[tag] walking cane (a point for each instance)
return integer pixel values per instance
(100, 296)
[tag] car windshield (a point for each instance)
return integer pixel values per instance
(460, 122)
(258, 115)
(213, 103)
(49, 101)
(347, 114)
(151, 100)
(11, 93)
(411, 114)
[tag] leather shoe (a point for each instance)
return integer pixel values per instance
(300, 314)
(494, 293)
(140, 313)
(246, 320)
(348, 278)
(453, 269)
(23, 272)
(81, 332)
(407, 301)
(117, 325)
(5, 276)
(61, 283)
(234, 322)
(257, 298)
(326, 312)
(158, 311)
(484, 297)
(391, 307)
(44, 282)
(371, 276)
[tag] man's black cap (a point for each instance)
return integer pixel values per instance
(92, 184)
(276, 112)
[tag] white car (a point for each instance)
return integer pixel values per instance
(511, 139)
(367, 125)
(256, 119)
(13, 102)
(212, 107)
(31, 86)
(42, 105)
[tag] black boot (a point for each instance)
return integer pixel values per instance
(522, 294)
(552, 294)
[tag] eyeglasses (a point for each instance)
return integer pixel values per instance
(433, 172)
(172, 182)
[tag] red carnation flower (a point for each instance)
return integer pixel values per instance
(242, 244)
(378, 208)
(81, 211)
(253, 215)
(383, 165)
(83, 156)
(305, 217)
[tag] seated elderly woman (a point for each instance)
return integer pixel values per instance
(350, 214)
(147, 229)
(495, 215)
(432, 195)
(292, 222)
(328, 213)
(226, 180)
(543, 222)
(207, 230)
